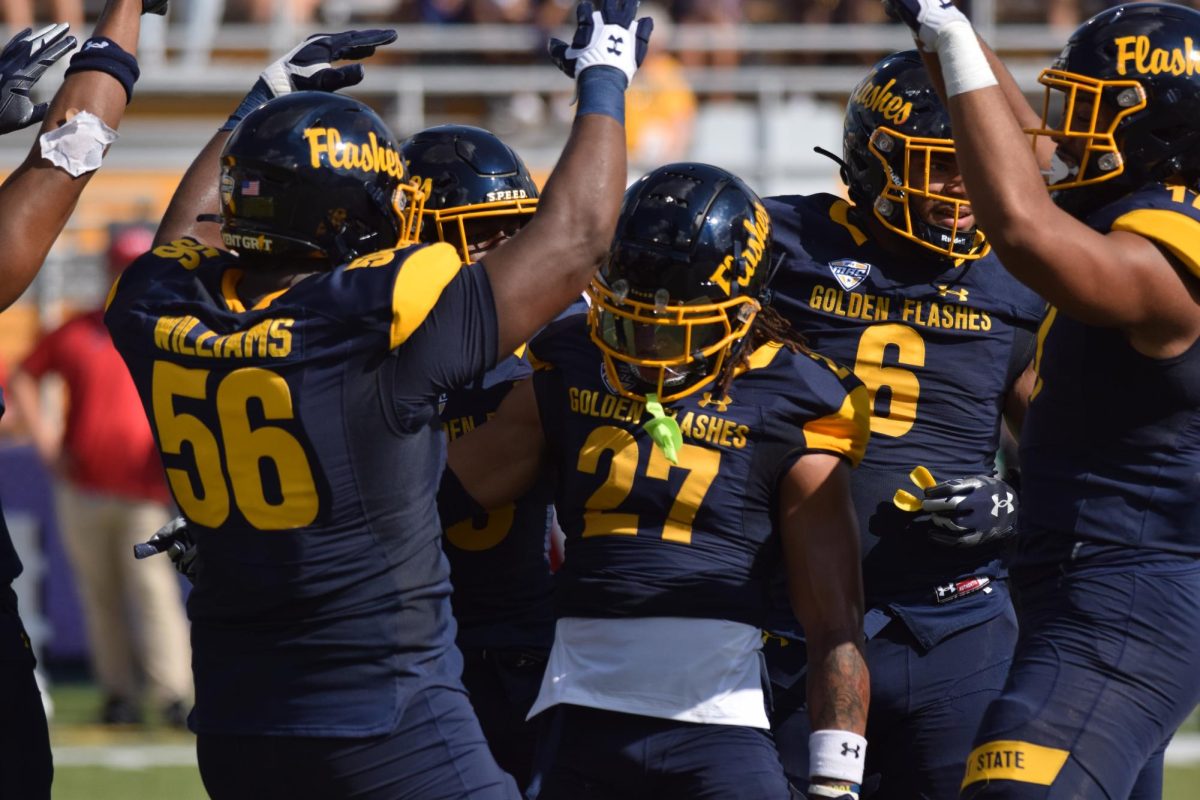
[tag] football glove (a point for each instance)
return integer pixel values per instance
(926, 18)
(608, 36)
(154, 7)
(967, 511)
(22, 61)
(175, 540)
(307, 66)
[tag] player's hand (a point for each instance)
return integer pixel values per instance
(819, 790)
(926, 18)
(154, 7)
(309, 65)
(605, 36)
(971, 511)
(175, 540)
(22, 61)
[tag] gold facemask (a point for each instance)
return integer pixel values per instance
(1085, 99)
(665, 343)
(914, 180)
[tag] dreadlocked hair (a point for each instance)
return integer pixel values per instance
(768, 326)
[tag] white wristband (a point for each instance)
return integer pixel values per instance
(964, 66)
(837, 755)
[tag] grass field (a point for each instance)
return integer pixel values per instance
(134, 756)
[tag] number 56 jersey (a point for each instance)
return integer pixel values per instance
(301, 439)
(648, 538)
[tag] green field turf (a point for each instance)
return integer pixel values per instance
(76, 706)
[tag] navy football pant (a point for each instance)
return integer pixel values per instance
(502, 685)
(26, 768)
(1105, 671)
(591, 754)
(925, 708)
(436, 752)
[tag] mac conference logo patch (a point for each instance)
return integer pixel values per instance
(849, 273)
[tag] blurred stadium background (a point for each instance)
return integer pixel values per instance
(751, 85)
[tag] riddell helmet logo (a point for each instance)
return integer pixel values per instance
(1137, 54)
(326, 144)
(880, 99)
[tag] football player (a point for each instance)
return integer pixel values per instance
(36, 199)
(478, 194)
(695, 442)
(1106, 569)
(292, 381)
(900, 284)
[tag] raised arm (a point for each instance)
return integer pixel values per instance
(1073, 266)
(38, 197)
(542, 269)
(307, 67)
(500, 460)
(821, 552)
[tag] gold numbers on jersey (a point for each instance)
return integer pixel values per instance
(1043, 332)
(599, 519)
(245, 448)
(903, 386)
(188, 252)
(496, 527)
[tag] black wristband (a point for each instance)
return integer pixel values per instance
(455, 503)
(102, 54)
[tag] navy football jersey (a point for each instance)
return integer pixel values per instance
(648, 538)
(1111, 446)
(936, 345)
(499, 563)
(301, 439)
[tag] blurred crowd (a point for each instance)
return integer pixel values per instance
(553, 13)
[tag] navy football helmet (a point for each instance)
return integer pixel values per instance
(476, 187)
(896, 129)
(1130, 79)
(315, 175)
(684, 280)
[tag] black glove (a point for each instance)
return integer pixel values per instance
(307, 67)
(606, 37)
(175, 540)
(23, 60)
(971, 511)
(154, 7)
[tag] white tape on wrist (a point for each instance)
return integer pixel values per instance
(964, 65)
(78, 146)
(837, 755)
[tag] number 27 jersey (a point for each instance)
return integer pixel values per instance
(648, 538)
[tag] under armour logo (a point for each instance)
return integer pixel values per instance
(615, 44)
(720, 405)
(945, 291)
(998, 504)
(95, 45)
(847, 749)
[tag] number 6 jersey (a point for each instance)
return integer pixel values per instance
(938, 347)
(301, 439)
